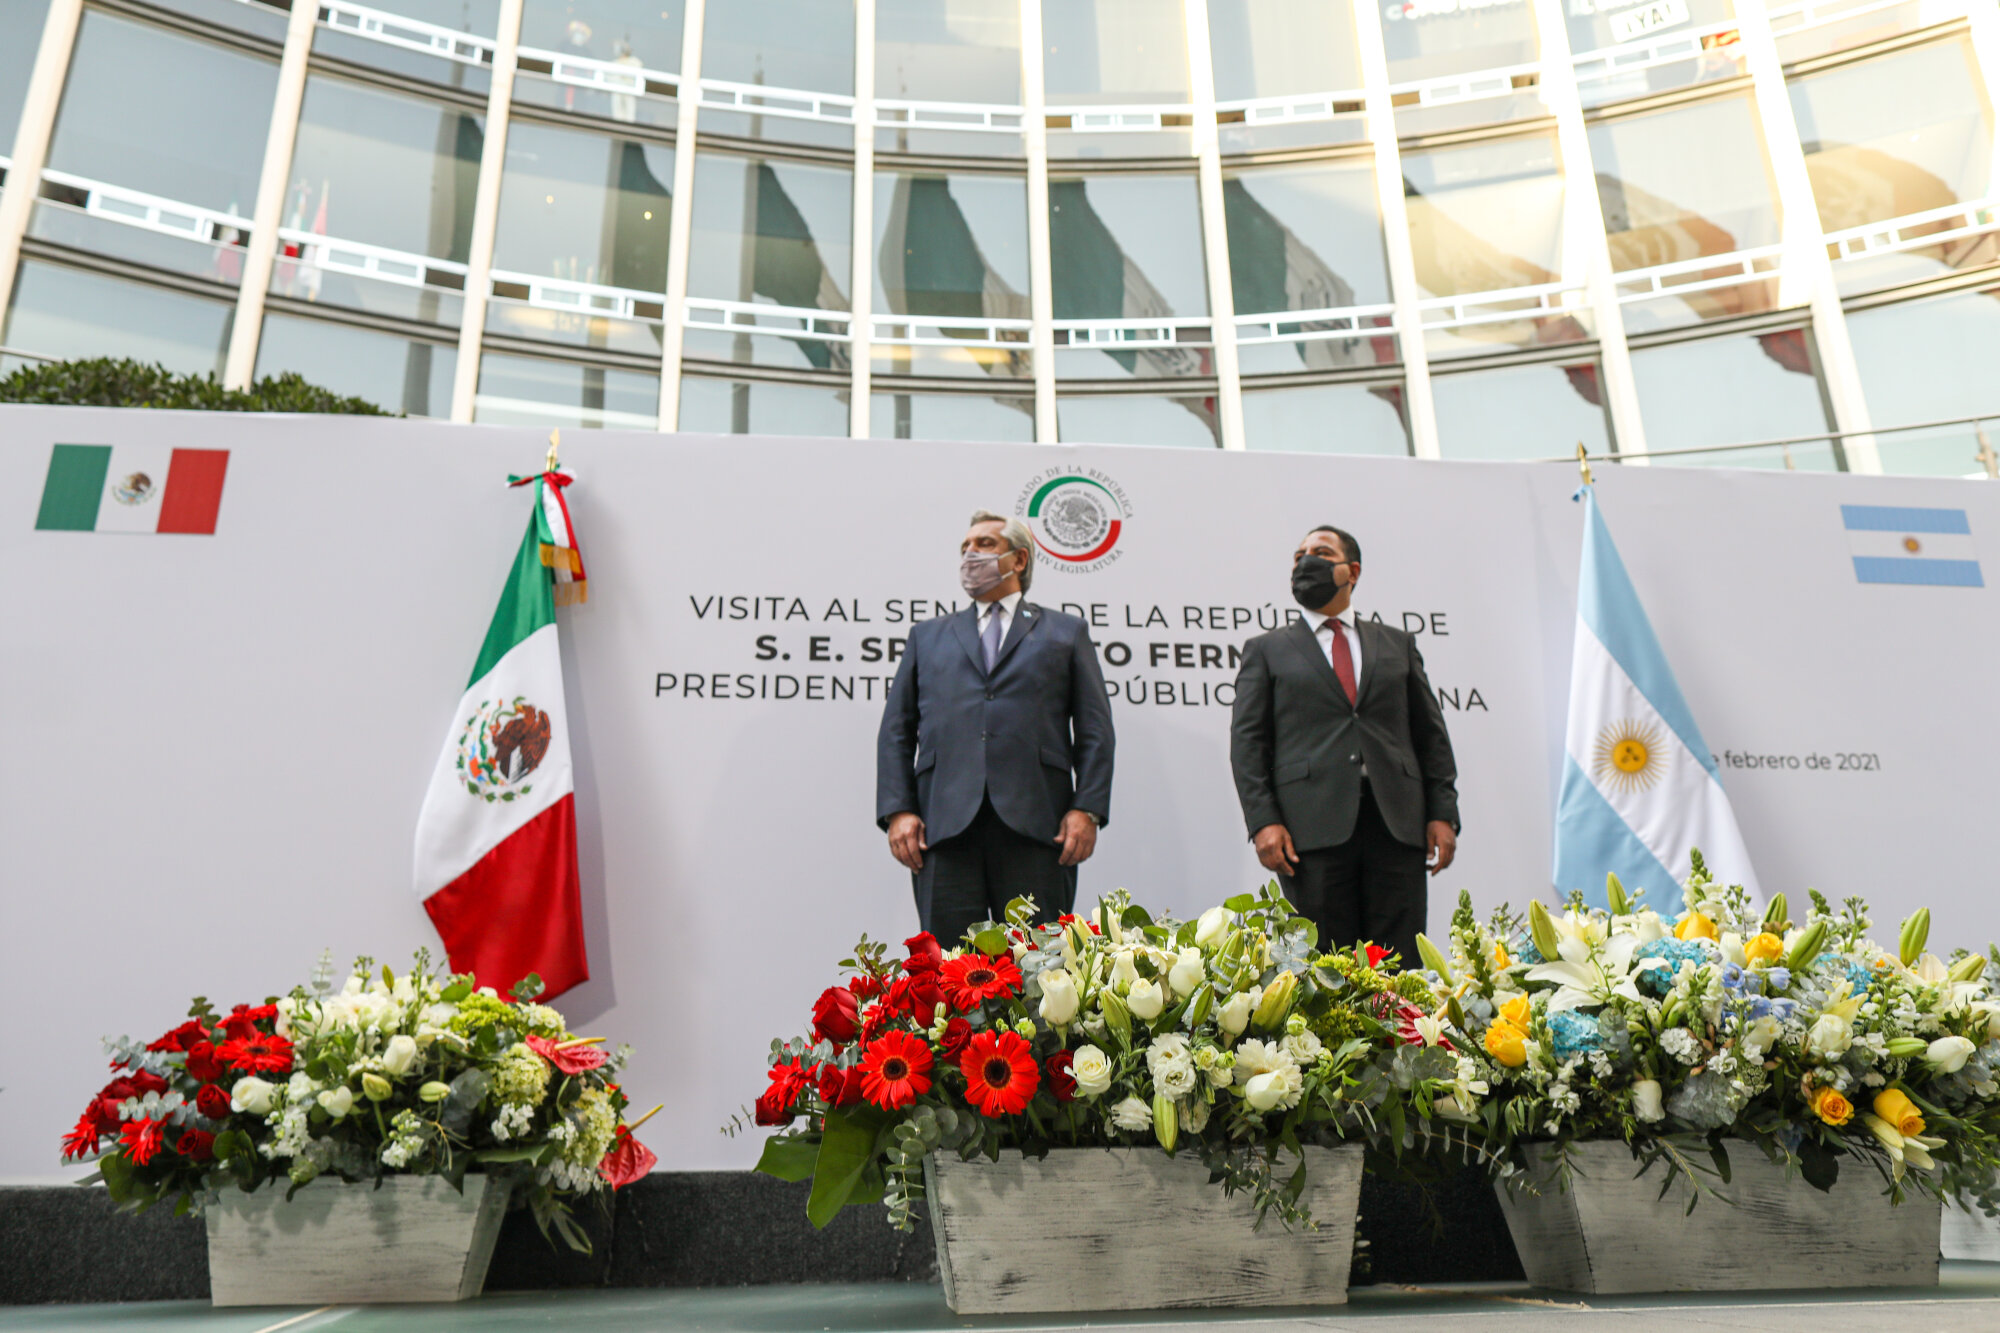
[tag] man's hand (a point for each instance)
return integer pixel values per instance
(1440, 845)
(906, 840)
(1078, 838)
(1275, 850)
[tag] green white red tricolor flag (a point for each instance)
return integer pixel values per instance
(143, 488)
(496, 842)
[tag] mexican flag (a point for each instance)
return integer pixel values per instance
(145, 488)
(496, 842)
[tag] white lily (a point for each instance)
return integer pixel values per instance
(1586, 974)
(1431, 1028)
(1732, 949)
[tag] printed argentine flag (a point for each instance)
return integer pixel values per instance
(1639, 788)
(1928, 547)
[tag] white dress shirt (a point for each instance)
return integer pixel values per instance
(1324, 633)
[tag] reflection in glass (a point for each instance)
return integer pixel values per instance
(770, 233)
(1185, 423)
(584, 208)
(63, 312)
(385, 170)
(633, 36)
(753, 407)
(1596, 24)
(1930, 360)
(1903, 133)
(1128, 247)
(528, 391)
(795, 44)
(1426, 40)
(396, 374)
(951, 416)
(952, 248)
(1327, 419)
(260, 18)
(441, 19)
(1115, 52)
(1306, 238)
(948, 50)
(175, 117)
(1733, 390)
(1517, 412)
(17, 62)
(1274, 48)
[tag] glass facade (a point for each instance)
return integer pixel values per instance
(927, 292)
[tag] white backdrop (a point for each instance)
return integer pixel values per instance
(220, 743)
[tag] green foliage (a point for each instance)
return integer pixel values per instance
(117, 382)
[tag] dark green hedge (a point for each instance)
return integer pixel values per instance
(105, 382)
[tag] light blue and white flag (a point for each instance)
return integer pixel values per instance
(1639, 787)
(1929, 548)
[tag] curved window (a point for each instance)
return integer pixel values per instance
(1286, 50)
(256, 17)
(1307, 238)
(1116, 53)
(593, 57)
(766, 234)
(17, 63)
(803, 45)
(1727, 390)
(1516, 412)
(951, 51)
(951, 416)
(1930, 360)
(396, 374)
(1437, 43)
(447, 42)
(1129, 418)
(953, 250)
(64, 312)
(1128, 248)
(1327, 419)
(528, 391)
(758, 407)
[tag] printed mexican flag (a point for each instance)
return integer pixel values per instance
(142, 488)
(496, 842)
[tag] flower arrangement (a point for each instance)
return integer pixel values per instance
(419, 1074)
(1804, 1037)
(1228, 1037)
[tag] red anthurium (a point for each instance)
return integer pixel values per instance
(973, 977)
(567, 1059)
(898, 1070)
(837, 1016)
(628, 1160)
(1376, 953)
(143, 1139)
(1000, 1073)
(258, 1053)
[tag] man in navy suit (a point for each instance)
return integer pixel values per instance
(993, 766)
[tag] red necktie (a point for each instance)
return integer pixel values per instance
(1343, 661)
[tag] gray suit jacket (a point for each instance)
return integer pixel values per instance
(1035, 736)
(1297, 746)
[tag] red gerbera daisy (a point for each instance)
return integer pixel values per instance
(258, 1053)
(974, 977)
(143, 1139)
(1000, 1073)
(83, 1139)
(180, 1038)
(898, 1070)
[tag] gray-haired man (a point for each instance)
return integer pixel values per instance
(993, 766)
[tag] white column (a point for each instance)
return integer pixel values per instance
(680, 216)
(270, 209)
(1982, 18)
(31, 139)
(1214, 228)
(1041, 293)
(486, 211)
(861, 329)
(1807, 273)
(1396, 231)
(1583, 232)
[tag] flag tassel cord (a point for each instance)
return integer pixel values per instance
(560, 552)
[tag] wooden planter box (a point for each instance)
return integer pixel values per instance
(1132, 1229)
(1608, 1232)
(414, 1239)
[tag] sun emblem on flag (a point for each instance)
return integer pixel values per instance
(1912, 545)
(1631, 756)
(500, 745)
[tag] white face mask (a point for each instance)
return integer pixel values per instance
(979, 572)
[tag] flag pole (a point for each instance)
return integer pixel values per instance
(1582, 461)
(555, 443)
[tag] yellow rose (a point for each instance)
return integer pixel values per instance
(1500, 958)
(1694, 925)
(1764, 948)
(1831, 1107)
(1507, 1044)
(1515, 1011)
(1894, 1107)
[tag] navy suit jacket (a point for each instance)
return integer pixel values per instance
(1035, 737)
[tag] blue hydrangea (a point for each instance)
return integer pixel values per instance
(1575, 1034)
(1522, 949)
(1657, 981)
(1857, 975)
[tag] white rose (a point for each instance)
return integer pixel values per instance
(1187, 972)
(1234, 1016)
(399, 1055)
(1146, 1000)
(1092, 1070)
(337, 1101)
(1059, 998)
(1305, 1047)
(1210, 927)
(1648, 926)
(1831, 1035)
(1646, 1102)
(252, 1095)
(1132, 1115)
(1264, 1091)
(1123, 970)
(1948, 1055)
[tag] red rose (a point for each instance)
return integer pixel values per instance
(864, 985)
(180, 1038)
(840, 1087)
(836, 1016)
(197, 1145)
(201, 1062)
(1061, 1081)
(925, 955)
(918, 994)
(212, 1102)
(143, 1082)
(956, 1034)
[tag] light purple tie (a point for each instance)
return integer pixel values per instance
(990, 640)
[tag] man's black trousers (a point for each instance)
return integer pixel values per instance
(972, 877)
(1370, 887)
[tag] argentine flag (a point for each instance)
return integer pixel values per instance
(1639, 788)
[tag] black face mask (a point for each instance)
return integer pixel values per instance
(1313, 583)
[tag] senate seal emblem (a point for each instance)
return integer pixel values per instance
(134, 490)
(501, 744)
(1077, 516)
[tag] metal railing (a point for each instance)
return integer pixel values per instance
(1987, 460)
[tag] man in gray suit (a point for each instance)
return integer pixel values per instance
(993, 765)
(1342, 763)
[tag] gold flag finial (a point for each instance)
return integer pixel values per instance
(555, 443)
(1582, 461)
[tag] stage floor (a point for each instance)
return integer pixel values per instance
(1966, 1297)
